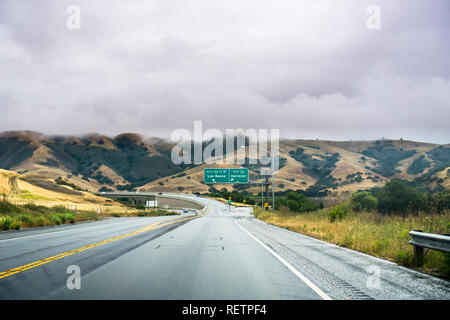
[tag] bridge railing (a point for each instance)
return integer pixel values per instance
(421, 240)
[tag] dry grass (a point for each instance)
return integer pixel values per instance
(105, 208)
(370, 232)
(21, 192)
(139, 213)
(30, 215)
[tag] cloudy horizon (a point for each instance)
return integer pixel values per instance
(311, 68)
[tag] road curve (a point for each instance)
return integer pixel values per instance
(224, 254)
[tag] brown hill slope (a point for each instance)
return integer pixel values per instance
(95, 162)
(20, 189)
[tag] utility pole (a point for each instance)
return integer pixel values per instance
(273, 182)
(273, 192)
(262, 194)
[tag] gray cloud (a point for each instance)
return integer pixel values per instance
(310, 68)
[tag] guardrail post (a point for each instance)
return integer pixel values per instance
(418, 254)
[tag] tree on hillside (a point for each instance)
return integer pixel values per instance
(297, 202)
(363, 200)
(395, 197)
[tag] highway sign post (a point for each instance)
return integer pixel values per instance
(267, 173)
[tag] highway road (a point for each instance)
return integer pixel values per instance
(222, 254)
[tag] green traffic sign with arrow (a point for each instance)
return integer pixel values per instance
(227, 175)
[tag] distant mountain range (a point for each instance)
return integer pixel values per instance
(130, 161)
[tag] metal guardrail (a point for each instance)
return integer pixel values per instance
(421, 240)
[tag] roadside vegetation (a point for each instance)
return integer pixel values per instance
(236, 196)
(142, 213)
(16, 217)
(375, 222)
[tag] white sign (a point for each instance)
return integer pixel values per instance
(151, 203)
(265, 171)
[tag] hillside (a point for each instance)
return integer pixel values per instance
(318, 167)
(127, 161)
(20, 189)
(90, 162)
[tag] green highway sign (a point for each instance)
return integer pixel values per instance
(238, 175)
(216, 176)
(225, 176)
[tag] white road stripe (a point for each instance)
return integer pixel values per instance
(316, 289)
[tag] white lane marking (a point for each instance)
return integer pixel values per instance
(316, 289)
(50, 233)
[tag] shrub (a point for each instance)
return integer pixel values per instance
(338, 212)
(69, 218)
(40, 221)
(16, 224)
(6, 223)
(363, 200)
(297, 202)
(395, 197)
(293, 205)
(405, 258)
(62, 217)
(55, 219)
(66, 217)
(28, 219)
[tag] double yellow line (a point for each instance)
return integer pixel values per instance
(35, 264)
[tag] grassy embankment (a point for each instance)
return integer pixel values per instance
(16, 217)
(142, 213)
(384, 236)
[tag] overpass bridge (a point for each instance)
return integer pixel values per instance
(164, 200)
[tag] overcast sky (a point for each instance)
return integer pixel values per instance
(311, 68)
